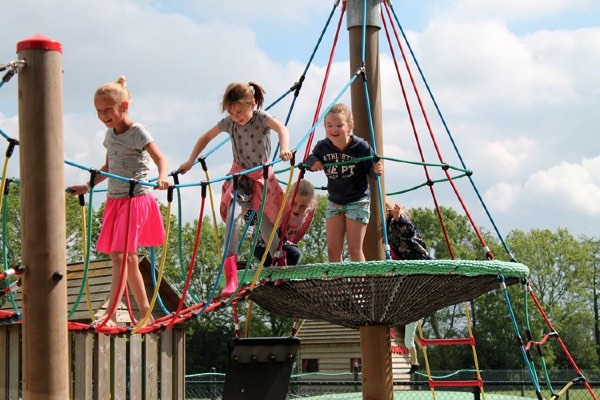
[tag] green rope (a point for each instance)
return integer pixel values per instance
(87, 254)
(469, 268)
(5, 251)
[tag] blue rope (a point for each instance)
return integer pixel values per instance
(153, 269)
(372, 135)
(109, 175)
(4, 135)
(532, 374)
(364, 33)
(298, 85)
(225, 250)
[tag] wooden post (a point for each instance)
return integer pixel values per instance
(374, 340)
(43, 242)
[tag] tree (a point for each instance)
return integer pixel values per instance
(593, 249)
(449, 322)
(313, 247)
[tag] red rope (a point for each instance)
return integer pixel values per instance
(123, 269)
(558, 339)
(434, 141)
(325, 79)
(192, 262)
(286, 219)
(416, 135)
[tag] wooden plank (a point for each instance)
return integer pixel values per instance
(166, 362)
(84, 343)
(135, 367)
(102, 367)
(4, 367)
(14, 357)
(119, 352)
(179, 364)
(151, 366)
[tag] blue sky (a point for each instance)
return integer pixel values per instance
(516, 81)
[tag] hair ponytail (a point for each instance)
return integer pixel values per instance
(259, 94)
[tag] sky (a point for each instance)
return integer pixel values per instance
(516, 82)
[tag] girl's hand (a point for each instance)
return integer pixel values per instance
(186, 166)
(162, 184)
(378, 168)
(76, 190)
(285, 155)
(396, 211)
(317, 166)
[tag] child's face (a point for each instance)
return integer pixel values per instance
(109, 112)
(300, 205)
(337, 127)
(240, 112)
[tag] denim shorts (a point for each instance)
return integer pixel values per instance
(359, 211)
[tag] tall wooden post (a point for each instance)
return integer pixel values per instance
(374, 340)
(43, 254)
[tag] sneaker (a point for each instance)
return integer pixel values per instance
(413, 368)
(241, 264)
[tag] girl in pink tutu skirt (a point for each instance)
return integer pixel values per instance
(129, 151)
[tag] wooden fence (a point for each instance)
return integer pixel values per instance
(150, 366)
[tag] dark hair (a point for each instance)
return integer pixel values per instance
(250, 93)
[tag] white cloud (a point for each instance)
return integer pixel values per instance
(507, 10)
(564, 195)
(521, 107)
(569, 185)
(482, 64)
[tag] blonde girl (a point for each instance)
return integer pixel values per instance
(130, 150)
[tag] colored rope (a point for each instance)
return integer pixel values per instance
(163, 260)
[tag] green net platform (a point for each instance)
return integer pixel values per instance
(388, 292)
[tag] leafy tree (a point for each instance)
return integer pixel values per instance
(313, 245)
(561, 270)
(449, 322)
(593, 249)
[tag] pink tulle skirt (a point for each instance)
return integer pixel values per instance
(145, 226)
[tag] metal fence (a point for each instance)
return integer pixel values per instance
(498, 385)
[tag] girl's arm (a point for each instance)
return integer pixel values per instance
(76, 190)
(284, 138)
(161, 162)
(200, 145)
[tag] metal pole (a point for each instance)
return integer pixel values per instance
(374, 340)
(43, 254)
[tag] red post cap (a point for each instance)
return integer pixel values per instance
(39, 41)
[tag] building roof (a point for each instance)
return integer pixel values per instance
(99, 279)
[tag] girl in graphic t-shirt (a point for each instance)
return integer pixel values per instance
(348, 207)
(129, 151)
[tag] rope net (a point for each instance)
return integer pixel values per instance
(390, 292)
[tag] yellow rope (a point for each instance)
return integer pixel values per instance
(467, 315)
(212, 208)
(427, 368)
(163, 258)
(268, 246)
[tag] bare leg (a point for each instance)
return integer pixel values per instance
(266, 229)
(356, 235)
(409, 342)
(136, 284)
(234, 240)
(116, 292)
(336, 231)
